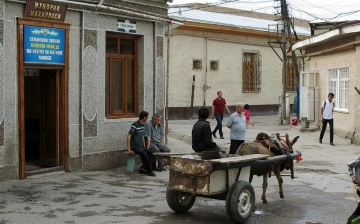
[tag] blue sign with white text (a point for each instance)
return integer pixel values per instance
(44, 45)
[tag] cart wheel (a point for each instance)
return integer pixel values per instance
(179, 201)
(240, 201)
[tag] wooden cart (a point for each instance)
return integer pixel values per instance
(224, 179)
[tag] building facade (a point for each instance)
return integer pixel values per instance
(333, 55)
(74, 76)
(218, 51)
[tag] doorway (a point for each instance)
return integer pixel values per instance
(41, 119)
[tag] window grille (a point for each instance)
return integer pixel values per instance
(214, 65)
(197, 64)
(251, 71)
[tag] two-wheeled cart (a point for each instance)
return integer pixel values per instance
(224, 179)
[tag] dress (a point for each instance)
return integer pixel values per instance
(247, 114)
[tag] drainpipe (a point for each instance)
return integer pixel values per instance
(206, 69)
(167, 84)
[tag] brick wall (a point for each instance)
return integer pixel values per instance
(346, 123)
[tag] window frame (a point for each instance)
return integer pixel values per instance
(340, 87)
(257, 62)
(110, 112)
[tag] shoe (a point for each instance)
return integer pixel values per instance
(320, 141)
(159, 169)
(221, 137)
(152, 174)
(332, 144)
(143, 171)
(214, 135)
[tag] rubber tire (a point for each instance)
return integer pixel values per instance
(179, 202)
(241, 192)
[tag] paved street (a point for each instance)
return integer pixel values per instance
(320, 193)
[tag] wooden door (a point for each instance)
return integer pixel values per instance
(49, 152)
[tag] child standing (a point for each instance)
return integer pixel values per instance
(355, 164)
(247, 115)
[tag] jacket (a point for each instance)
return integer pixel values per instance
(201, 136)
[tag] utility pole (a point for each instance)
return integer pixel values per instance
(284, 58)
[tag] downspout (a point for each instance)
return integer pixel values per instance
(167, 84)
(82, 89)
(206, 69)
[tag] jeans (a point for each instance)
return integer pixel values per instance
(158, 148)
(331, 124)
(219, 119)
(147, 157)
(235, 145)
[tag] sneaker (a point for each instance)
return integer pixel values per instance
(214, 135)
(152, 174)
(320, 141)
(221, 137)
(332, 144)
(143, 171)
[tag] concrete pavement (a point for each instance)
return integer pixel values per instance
(115, 196)
(321, 158)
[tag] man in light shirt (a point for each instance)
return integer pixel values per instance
(327, 110)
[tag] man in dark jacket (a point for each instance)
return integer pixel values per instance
(201, 133)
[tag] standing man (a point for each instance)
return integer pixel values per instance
(154, 134)
(237, 124)
(217, 111)
(327, 109)
(136, 144)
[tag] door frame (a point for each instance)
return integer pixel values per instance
(63, 140)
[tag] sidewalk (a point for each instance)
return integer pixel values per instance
(321, 158)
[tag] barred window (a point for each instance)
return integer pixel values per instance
(214, 65)
(338, 83)
(251, 71)
(197, 64)
(292, 79)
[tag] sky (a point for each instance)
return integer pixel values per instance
(315, 11)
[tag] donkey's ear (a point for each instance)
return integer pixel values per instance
(294, 140)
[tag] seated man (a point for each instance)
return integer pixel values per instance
(201, 133)
(154, 134)
(135, 144)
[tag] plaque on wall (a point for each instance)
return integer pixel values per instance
(128, 26)
(44, 45)
(45, 10)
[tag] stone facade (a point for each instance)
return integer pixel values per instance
(94, 141)
(227, 49)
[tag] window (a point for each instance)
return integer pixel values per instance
(121, 89)
(251, 71)
(197, 64)
(339, 85)
(214, 65)
(292, 79)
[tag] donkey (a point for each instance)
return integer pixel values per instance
(272, 146)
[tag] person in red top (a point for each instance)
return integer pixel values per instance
(217, 112)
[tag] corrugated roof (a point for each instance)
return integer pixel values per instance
(189, 14)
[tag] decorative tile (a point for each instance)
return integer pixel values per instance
(1, 31)
(74, 140)
(90, 80)
(90, 38)
(91, 20)
(160, 29)
(90, 145)
(2, 84)
(75, 76)
(10, 75)
(73, 18)
(159, 46)
(90, 127)
(13, 10)
(2, 132)
(2, 8)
